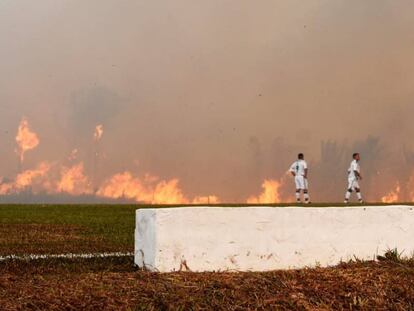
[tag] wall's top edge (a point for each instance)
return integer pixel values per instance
(363, 207)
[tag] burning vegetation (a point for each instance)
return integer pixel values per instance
(74, 178)
(53, 179)
(270, 193)
(26, 139)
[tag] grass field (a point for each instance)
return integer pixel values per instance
(52, 229)
(114, 283)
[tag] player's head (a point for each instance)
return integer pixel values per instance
(301, 156)
(356, 156)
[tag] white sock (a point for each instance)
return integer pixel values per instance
(347, 195)
(359, 195)
(306, 196)
(298, 196)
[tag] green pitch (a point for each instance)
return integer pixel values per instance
(51, 229)
(55, 229)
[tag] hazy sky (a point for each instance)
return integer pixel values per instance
(218, 93)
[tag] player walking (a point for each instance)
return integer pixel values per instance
(299, 169)
(354, 174)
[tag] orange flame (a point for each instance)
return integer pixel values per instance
(26, 139)
(125, 185)
(122, 185)
(392, 196)
(270, 193)
(167, 192)
(74, 181)
(98, 132)
(27, 179)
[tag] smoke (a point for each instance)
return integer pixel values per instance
(98, 132)
(220, 95)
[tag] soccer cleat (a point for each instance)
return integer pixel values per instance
(361, 201)
(308, 202)
(346, 201)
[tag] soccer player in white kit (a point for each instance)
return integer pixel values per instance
(354, 174)
(299, 169)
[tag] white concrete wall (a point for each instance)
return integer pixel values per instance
(266, 238)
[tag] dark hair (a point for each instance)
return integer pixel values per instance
(354, 155)
(300, 156)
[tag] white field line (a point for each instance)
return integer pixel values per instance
(66, 256)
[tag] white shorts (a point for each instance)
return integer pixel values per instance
(301, 183)
(353, 184)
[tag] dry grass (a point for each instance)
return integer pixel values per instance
(113, 284)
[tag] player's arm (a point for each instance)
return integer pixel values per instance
(357, 172)
(292, 170)
(305, 175)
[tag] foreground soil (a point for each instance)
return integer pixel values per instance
(113, 284)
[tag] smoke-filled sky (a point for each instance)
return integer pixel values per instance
(220, 94)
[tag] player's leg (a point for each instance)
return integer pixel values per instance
(298, 187)
(306, 196)
(348, 195)
(359, 195)
(306, 191)
(297, 194)
(358, 192)
(348, 191)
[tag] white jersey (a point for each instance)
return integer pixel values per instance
(352, 168)
(299, 167)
